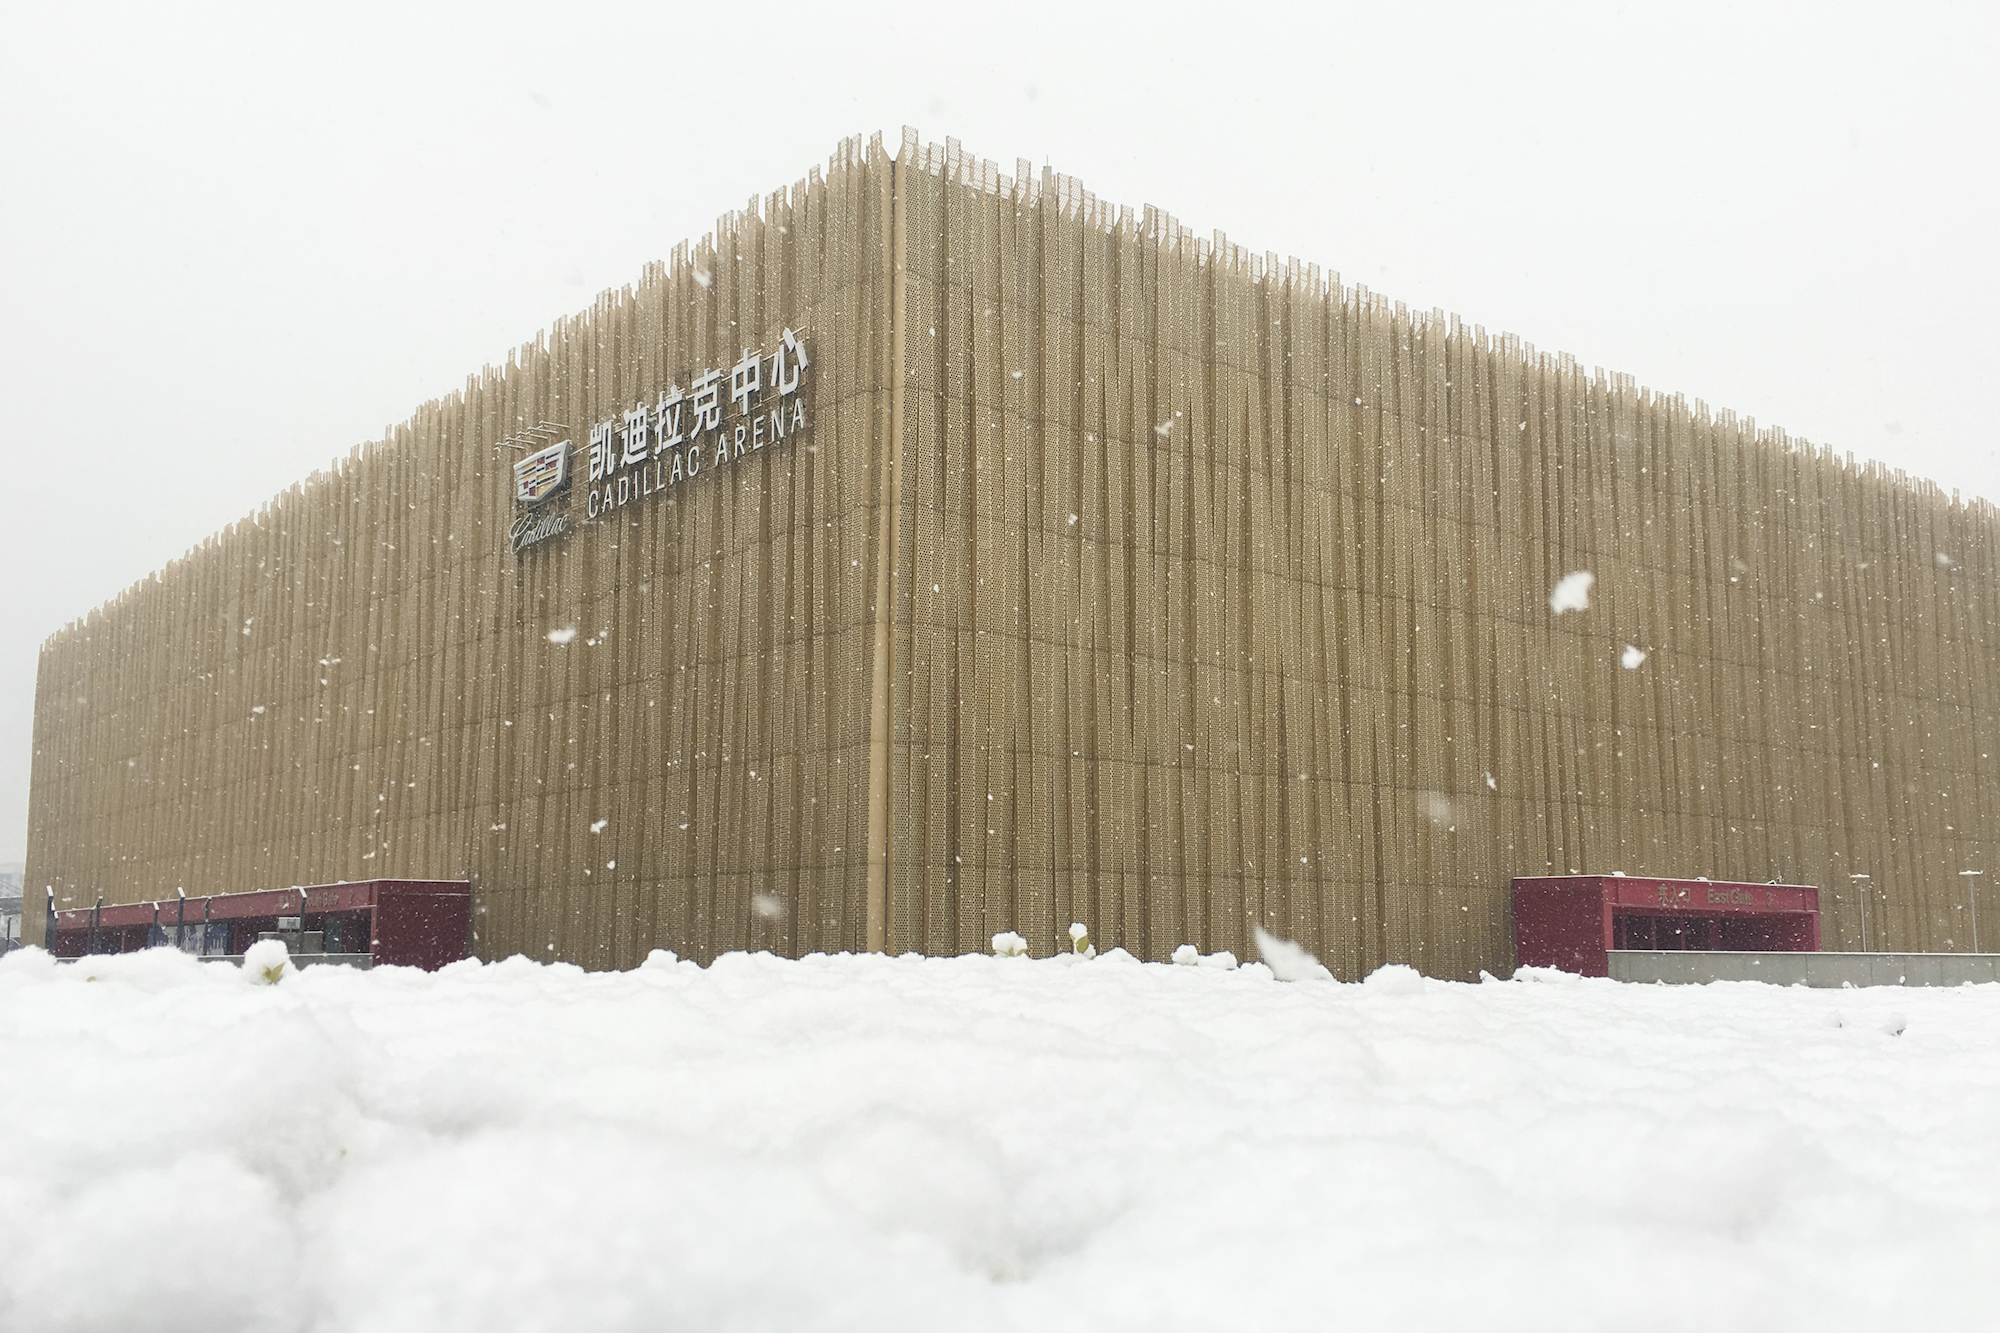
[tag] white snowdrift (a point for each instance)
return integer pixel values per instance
(978, 1143)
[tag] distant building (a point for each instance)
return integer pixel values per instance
(932, 552)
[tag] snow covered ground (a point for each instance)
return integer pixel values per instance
(874, 1144)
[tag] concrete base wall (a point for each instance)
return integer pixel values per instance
(1806, 969)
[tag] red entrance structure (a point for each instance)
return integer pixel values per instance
(403, 922)
(1572, 922)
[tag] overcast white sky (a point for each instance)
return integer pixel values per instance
(236, 240)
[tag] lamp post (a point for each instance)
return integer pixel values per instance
(1861, 886)
(1972, 903)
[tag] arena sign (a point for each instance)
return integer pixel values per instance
(720, 417)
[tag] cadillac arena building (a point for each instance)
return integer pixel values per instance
(932, 552)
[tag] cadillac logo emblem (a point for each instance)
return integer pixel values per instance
(541, 474)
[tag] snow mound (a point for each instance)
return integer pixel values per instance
(1547, 976)
(1189, 956)
(1395, 979)
(877, 1144)
(265, 963)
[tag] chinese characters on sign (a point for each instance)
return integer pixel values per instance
(717, 419)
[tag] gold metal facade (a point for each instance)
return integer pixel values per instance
(1215, 592)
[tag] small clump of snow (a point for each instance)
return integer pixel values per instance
(1632, 657)
(1288, 961)
(1546, 975)
(562, 634)
(1009, 944)
(266, 963)
(1395, 979)
(1572, 592)
(1079, 940)
(769, 906)
(1187, 956)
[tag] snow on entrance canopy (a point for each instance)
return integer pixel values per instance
(877, 1143)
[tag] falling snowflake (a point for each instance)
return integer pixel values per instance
(1572, 592)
